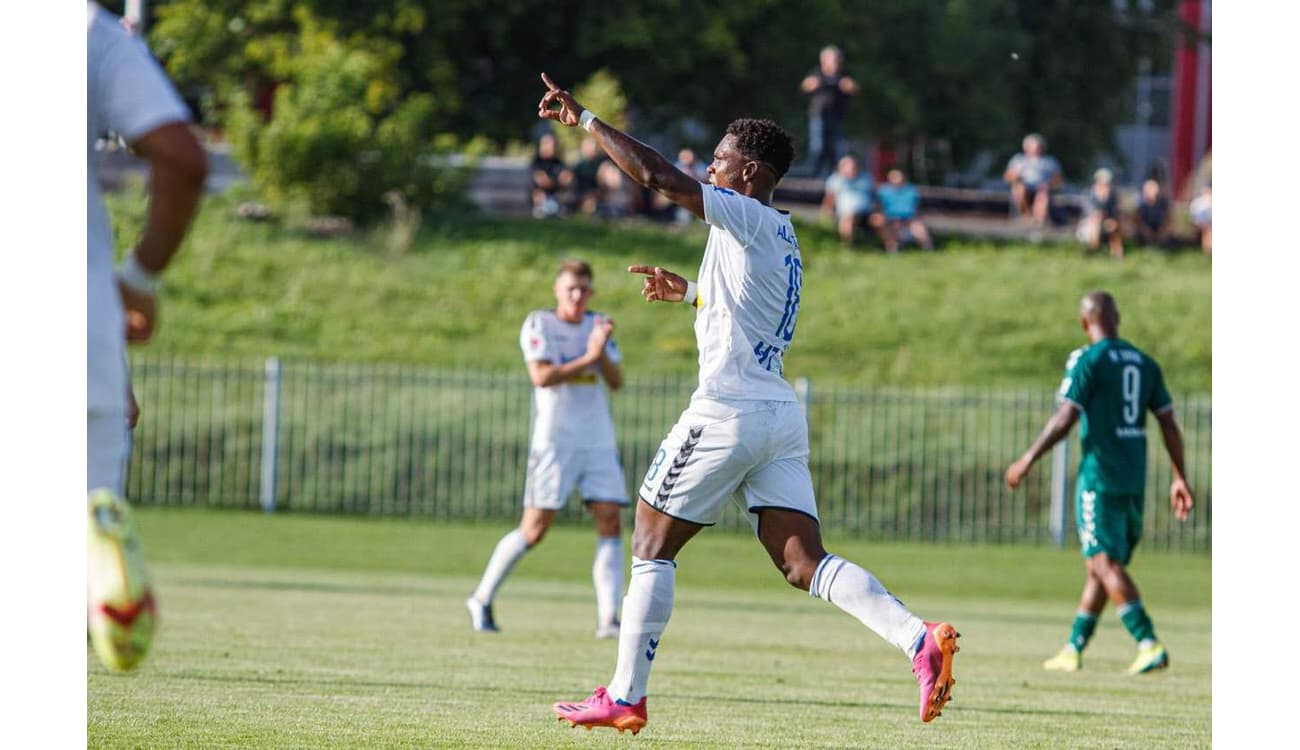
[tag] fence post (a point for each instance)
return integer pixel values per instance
(803, 392)
(270, 433)
(1060, 490)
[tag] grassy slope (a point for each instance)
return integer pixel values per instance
(974, 314)
(312, 632)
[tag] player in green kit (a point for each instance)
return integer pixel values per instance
(1112, 385)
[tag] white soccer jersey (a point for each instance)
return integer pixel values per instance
(574, 413)
(749, 286)
(127, 93)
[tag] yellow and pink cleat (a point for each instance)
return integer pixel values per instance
(932, 666)
(601, 710)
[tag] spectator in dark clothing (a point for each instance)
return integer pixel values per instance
(586, 189)
(828, 89)
(1153, 216)
(1101, 215)
(550, 178)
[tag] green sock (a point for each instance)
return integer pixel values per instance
(1081, 632)
(1136, 621)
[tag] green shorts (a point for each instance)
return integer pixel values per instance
(1108, 522)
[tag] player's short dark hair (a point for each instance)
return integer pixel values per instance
(763, 140)
(576, 267)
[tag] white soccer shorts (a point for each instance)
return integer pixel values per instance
(756, 452)
(555, 471)
(106, 449)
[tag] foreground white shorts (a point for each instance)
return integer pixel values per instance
(106, 449)
(555, 471)
(755, 451)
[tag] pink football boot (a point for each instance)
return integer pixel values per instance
(600, 710)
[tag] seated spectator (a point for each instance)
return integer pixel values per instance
(1101, 215)
(1153, 216)
(586, 191)
(899, 200)
(1199, 210)
(614, 198)
(1033, 175)
(550, 178)
(848, 192)
(691, 165)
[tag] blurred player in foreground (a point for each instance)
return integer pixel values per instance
(744, 433)
(126, 93)
(569, 350)
(1113, 385)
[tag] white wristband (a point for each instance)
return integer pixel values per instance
(585, 119)
(692, 291)
(137, 278)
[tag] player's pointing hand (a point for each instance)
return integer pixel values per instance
(661, 285)
(569, 110)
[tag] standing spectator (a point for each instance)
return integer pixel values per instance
(550, 177)
(126, 93)
(828, 89)
(586, 190)
(899, 201)
(1153, 216)
(848, 193)
(1033, 175)
(572, 359)
(1101, 215)
(1199, 210)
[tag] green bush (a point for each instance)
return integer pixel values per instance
(342, 139)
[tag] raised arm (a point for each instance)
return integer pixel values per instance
(643, 164)
(1180, 494)
(1057, 427)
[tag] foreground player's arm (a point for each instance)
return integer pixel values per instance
(643, 164)
(1057, 427)
(177, 169)
(1180, 494)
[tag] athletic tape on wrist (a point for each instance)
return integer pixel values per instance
(137, 278)
(692, 292)
(585, 119)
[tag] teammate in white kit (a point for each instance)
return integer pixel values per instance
(571, 358)
(126, 93)
(744, 434)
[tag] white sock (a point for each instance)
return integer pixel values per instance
(856, 591)
(508, 551)
(607, 575)
(646, 609)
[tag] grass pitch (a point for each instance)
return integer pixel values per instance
(304, 631)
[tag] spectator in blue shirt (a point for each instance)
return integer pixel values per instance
(899, 201)
(1033, 175)
(848, 193)
(1101, 216)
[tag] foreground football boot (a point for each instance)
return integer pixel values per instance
(119, 595)
(932, 666)
(1149, 659)
(1068, 660)
(480, 616)
(600, 710)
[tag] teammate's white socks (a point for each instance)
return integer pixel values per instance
(646, 609)
(508, 551)
(857, 592)
(607, 576)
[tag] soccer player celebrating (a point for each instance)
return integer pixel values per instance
(126, 93)
(744, 433)
(1112, 384)
(569, 350)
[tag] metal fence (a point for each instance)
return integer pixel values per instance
(887, 463)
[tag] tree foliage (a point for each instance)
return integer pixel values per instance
(970, 74)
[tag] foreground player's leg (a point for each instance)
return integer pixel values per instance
(646, 610)
(1091, 602)
(607, 567)
(507, 552)
(793, 540)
